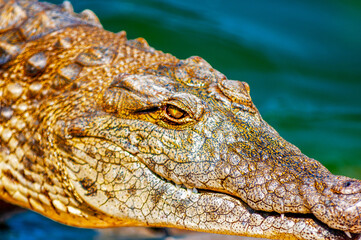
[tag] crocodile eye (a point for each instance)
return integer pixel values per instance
(174, 112)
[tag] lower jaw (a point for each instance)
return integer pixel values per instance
(329, 233)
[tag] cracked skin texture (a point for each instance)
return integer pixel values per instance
(100, 131)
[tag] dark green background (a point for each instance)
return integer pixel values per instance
(302, 59)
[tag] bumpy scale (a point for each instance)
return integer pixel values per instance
(100, 131)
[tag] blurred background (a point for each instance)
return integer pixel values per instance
(301, 58)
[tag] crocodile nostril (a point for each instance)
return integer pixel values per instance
(347, 184)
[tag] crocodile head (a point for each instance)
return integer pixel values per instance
(99, 131)
(180, 145)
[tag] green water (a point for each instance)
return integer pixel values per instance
(302, 59)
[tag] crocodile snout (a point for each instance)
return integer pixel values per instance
(338, 204)
(346, 186)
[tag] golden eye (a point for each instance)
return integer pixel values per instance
(174, 112)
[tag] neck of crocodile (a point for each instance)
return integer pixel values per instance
(100, 131)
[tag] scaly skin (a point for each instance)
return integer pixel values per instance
(100, 131)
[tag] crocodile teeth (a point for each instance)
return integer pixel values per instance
(348, 234)
(192, 190)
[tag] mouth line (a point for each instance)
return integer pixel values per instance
(343, 234)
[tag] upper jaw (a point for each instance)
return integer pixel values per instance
(338, 204)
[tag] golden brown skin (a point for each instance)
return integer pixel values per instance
(100, 131)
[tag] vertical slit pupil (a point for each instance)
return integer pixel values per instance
(175, 112)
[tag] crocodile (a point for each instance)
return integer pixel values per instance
(100, 131)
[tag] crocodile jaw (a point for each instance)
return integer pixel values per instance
(131, 191)
(218, 151)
